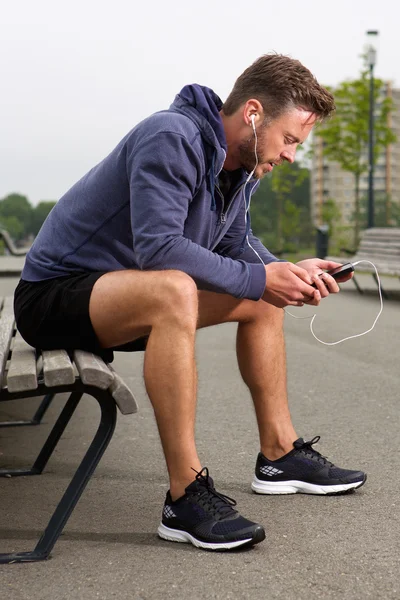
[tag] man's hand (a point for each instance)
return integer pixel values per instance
(289, 285)
(323, 282)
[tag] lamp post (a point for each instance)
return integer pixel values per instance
(371, 60)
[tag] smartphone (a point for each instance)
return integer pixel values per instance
(341, 271)
(338, 272)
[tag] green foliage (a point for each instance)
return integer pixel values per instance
(291, 220)
(394, 213)
(386, 214)
(346, 135)
(331, 215)
(280, 209)
(13, 225)
(20, 218)
(16, 215)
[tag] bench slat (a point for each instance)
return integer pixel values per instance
(8, 306)
(93, 370)
(380, 246)
(385, 248)
(57, 368)
(373, 235)
(22, 374)
(382, 231)
(6, 332)
(122, 395)
(377, 256)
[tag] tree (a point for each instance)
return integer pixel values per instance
(331, 214)
(14, 227)
(387, 212)
(280, 209)
(20, 218)
(283, 181)
(346, 134)
(290, 221)
(17, 207)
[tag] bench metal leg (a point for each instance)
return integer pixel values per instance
(384, 294)
(360, 291)
(51, 441)
(78, 482)
(38, 416)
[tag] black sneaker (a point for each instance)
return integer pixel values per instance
(304, 471)
(206, 519)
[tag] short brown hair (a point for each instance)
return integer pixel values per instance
(280, 83)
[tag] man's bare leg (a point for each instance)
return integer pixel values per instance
(126, 305)
(167, 307)
(262, 363)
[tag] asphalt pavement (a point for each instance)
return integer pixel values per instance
(316, 547)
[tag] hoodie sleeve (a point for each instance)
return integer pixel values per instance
(164, 171)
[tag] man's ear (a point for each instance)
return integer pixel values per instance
(252, 112)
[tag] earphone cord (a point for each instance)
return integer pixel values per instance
(247, 207)
(350, 337)
(312, 317)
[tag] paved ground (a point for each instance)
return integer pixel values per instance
(316, 547)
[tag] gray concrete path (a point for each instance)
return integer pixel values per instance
(316, 547)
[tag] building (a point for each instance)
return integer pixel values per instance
(328, 180)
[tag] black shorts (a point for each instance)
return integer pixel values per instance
(54, 314)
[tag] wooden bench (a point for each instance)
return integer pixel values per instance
(380, 245)
(27, 373)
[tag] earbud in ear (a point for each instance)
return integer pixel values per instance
(252, 119)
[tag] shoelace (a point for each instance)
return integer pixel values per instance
(307, 450)
(220, 504)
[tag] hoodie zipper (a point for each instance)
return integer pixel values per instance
(223, 215)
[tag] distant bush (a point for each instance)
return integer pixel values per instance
(20, 218)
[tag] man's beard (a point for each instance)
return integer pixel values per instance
(247, 150)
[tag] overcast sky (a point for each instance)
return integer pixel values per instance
(77, 75)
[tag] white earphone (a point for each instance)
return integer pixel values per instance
(252, 119)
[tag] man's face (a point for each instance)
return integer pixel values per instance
(276, 142)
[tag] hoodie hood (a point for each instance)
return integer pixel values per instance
(202, 105)
(205, 102)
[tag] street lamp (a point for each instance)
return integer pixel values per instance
(372, 37)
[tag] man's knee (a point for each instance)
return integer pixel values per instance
(179, 296)
(268, 313)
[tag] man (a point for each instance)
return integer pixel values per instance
(154, 243)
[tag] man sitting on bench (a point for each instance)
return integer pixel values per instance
(155, 242)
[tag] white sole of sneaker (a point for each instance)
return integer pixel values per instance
(300, 487)
(176, 535)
